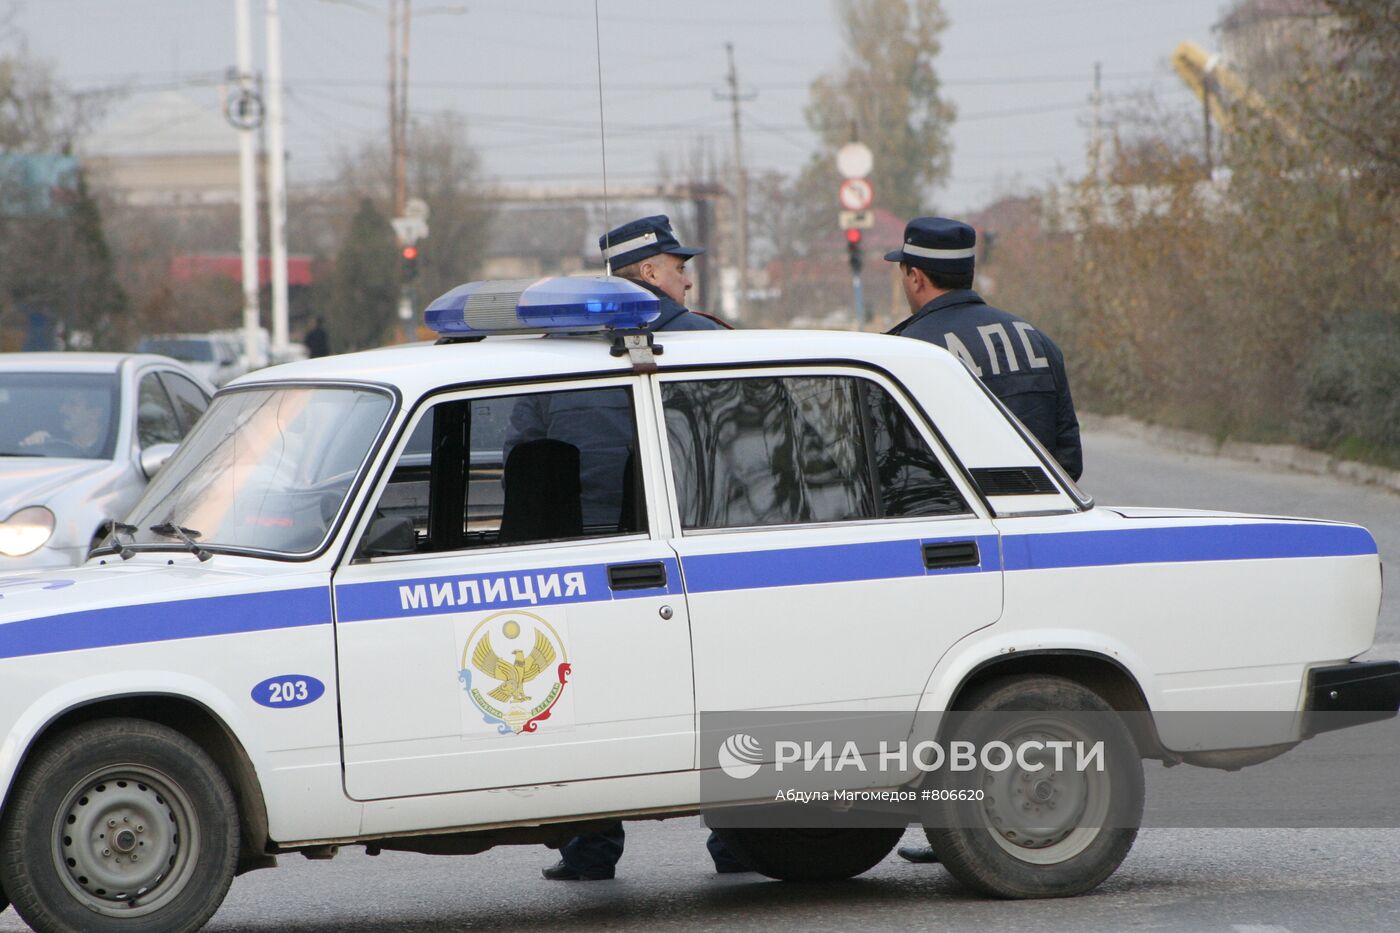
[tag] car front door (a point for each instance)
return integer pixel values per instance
(513, 614)
(831, 553)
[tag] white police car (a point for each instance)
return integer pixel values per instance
(445, 597)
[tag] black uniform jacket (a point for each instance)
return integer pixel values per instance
(1019, 364)
(598, 422)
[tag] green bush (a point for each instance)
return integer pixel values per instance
(1351, 388)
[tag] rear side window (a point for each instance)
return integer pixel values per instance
(798, 450)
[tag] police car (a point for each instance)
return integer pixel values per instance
(444, 597)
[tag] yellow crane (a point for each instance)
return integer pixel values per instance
(1221, 90)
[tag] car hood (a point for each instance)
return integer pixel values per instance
(28, 481)
(154, 597)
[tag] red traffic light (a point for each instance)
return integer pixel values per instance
(853, 235)
(410, 252)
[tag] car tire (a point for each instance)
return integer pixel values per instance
(119, 824)
(1007, 844)
(811, 854)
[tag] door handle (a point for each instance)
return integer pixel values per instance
(944, 554)
(646, 576)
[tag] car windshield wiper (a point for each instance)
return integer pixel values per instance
(187, 535)
(122, 528)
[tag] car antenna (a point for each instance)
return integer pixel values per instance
(602, 136)
(638, 345)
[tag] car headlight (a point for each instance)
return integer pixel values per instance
(26, 531)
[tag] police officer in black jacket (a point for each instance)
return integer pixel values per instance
(1018, 363)
(646, 252)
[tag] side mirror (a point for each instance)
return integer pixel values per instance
(154, 457)
(389, 535)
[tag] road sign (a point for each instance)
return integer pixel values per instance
(409, 230)
(857, 220)
(854, 160)
(855, 194)
(416, 207)
(244, 111)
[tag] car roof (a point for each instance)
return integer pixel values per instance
(74, 361)
(419, 368)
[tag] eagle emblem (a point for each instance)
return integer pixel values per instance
(513, 676)
(517, 688)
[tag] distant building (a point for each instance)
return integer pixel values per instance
(166, 150)
(1262, 39)
(189, 267)
(528, 242)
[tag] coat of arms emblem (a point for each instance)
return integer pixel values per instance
(514, 670)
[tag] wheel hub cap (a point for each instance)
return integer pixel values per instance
(120, 838)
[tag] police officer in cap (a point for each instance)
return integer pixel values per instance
(1018, 363)
(646, 252)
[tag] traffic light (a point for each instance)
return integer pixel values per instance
(410, 263)
(853, 249)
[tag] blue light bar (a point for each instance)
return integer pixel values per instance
(558, 304)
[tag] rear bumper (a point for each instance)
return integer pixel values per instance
(1345, 695)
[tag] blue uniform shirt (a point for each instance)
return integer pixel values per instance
(1020, 365)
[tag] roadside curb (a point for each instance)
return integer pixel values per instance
(1283, 456)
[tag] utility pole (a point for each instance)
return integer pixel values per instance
(400, 16)
(1096, 142)
(741, 220)
(1205, 118)
(276, 182)
(245, 114)
(400, 130)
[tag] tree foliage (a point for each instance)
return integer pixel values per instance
(54, 256)
(887, 91)
(364, 288)
(1263, 301)
(445, 172)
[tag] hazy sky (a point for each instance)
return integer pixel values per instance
(523, 73)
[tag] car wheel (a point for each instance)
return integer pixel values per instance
(811, 854)
(1039, 832)
(119, 824)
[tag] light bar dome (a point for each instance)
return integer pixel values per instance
(555, 304)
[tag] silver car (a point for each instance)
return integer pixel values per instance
(80, 435)
(216, 357)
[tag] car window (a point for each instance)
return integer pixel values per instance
(156, 422)
(58, 414)
(516, 469)
(266, 469)
(795, 450)
(190, 400)
(188, 349)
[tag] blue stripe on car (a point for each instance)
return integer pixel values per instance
(1184, 543)
(181, 618)
(838, 563)
(881, 560)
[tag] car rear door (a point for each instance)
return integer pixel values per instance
(831, 551)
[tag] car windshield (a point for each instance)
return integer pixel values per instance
(188, 350)
(265, 469)
(58, 414)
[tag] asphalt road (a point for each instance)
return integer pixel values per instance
(1239, 881)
